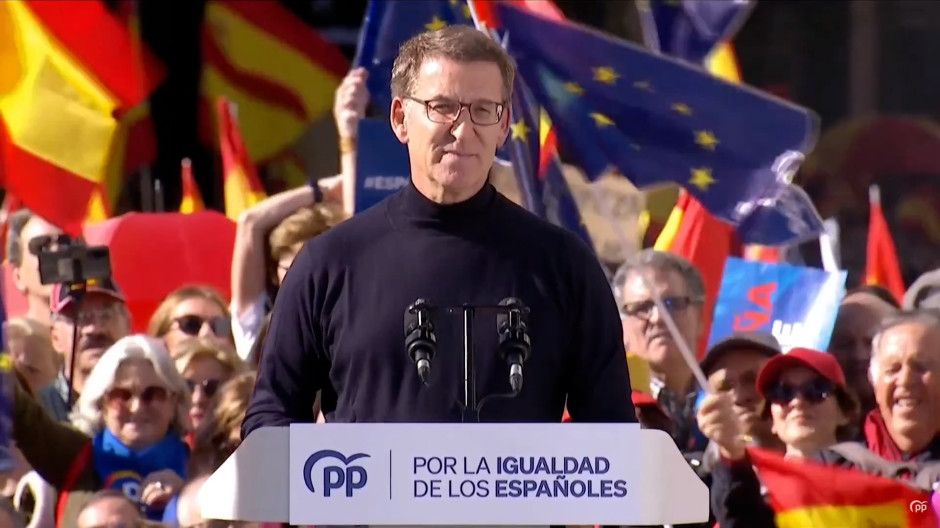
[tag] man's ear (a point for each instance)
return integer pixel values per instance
(397, 119)
(18, 280)
(504, 127)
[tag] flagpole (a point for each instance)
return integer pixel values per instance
(146, 190)
(158, 196)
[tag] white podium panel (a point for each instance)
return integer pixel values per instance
(458, 474)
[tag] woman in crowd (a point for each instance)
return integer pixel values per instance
(205, 365)
(127, 434)
(191, 311)
(220, 433)
(810, 410)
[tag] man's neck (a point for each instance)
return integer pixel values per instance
(441, 194)
(38, 309)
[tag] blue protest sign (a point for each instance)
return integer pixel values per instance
(381, 163)
(797, 305)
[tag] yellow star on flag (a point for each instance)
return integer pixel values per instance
(702, 178)
(435, 24)
(466, 11)
(706, 139)
(682, 109)
(601, 120)
(573, 87)
(643, 85)
(606, 75)
(520, 131)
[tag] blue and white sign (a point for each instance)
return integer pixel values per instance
(489, 474)
(381, 163)
(798, 305)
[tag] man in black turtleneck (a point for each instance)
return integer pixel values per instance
(450, 238)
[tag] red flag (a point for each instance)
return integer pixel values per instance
(705, 241)
(243, 188)
(881, 267)
(192, 198)
(802, 494)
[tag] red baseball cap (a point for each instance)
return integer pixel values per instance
(62, 293)
(822, 363)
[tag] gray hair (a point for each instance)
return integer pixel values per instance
(661, 261)
(87, 415)
(927, 317)
(17, 222)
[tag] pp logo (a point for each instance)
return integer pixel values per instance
(918, 506)
(337, 477)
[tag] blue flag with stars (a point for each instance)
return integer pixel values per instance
(656, 119)
(537, 167)
(388, 24)
(689, 29)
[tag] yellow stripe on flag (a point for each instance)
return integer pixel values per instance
(53, 108)
(668, 234)
(890, 514)
(723, 63)
(97, 210)
(274, 126)
(238, 194)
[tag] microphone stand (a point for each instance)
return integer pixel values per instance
(471, 412)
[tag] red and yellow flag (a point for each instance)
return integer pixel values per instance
(280, 72)
(67, 73)
(705, 241)
(881, 267)
(803, 496)
(243, 188)
(192, 198)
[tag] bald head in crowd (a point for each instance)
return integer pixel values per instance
(108, 509)
(860, 314)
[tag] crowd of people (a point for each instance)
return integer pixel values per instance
(125, 432)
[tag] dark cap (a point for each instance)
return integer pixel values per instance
(925, 292)
(62, 293)
(822, 363)
(758, 341)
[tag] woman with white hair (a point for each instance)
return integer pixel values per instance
(128, 435)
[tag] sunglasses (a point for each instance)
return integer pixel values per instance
(209, 387)
(815, 391)
(191, 325)
(119, 396)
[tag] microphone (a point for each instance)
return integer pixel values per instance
(514, 345)
(420, 340)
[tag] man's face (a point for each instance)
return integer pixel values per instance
(101, 320)
(644, 329)
(859, 316)
(905, 373)
(452, 157)
(26, 275)
(112, 512)
(736, 373)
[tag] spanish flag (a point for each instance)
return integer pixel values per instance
(881, 267)
(67, 72)
(810, 495)
(243, 188)
(280, 72)
(192, 198)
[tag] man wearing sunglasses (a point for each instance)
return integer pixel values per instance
(102, 319)
(451, 238)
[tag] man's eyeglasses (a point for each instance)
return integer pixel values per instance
(209, 387)
(191, 325)
(643, 309)
(483, 113)
(815, 391)
(100, 316)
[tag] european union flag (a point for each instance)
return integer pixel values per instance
(689, 29)
(656, 119)
(388, 24)
(537, 167)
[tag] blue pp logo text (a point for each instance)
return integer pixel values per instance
(336, 477)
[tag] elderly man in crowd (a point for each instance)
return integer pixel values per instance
(109, 509)
(102, 319)
(682, 290)
(860, 314)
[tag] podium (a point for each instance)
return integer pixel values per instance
(457, 474)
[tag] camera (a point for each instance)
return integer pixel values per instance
(64, 260)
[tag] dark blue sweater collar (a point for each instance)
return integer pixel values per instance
(414, 208)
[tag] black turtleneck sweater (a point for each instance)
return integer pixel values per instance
(337, 323)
